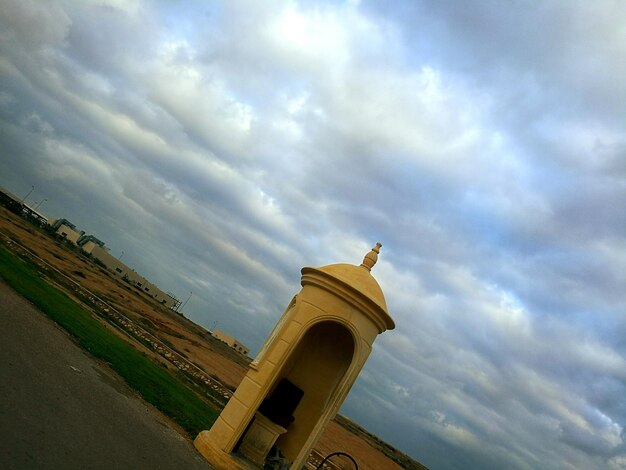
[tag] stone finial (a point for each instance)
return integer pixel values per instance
(370, 259)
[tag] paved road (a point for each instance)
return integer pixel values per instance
(60, 409)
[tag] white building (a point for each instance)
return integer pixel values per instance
(67, 230)
(231, 341)
(132, 277)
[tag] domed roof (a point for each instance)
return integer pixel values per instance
(359, 279)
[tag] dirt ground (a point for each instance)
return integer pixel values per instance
(190, 340)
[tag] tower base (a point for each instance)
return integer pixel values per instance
(218, 458)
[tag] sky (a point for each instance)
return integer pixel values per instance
(222, 146)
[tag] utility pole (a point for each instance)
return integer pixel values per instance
(40, 203)
(32, 188)
(185, 303)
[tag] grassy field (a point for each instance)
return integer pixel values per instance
(155, 384)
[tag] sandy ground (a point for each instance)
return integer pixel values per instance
(190, 340)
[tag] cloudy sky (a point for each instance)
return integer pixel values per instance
(223, 146)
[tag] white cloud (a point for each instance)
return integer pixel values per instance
(225, 146)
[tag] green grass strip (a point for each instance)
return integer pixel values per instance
(155, 384)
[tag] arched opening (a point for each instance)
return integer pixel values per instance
(316, 366)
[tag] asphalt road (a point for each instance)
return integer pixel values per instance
(60, 409)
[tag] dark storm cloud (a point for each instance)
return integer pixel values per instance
(224, 147)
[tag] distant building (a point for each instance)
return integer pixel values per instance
(230, 341)
(94, 246)
(10, 201)
(33, 214)
(89, 242)
(131, 276)
(17, 206)
(67, 230)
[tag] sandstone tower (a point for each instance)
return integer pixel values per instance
(304, 371)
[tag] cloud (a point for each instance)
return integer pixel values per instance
(224, 147)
